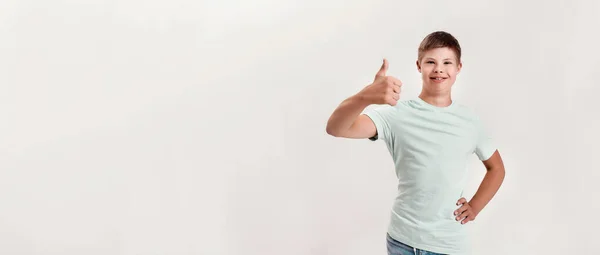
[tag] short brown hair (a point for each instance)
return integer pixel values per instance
(439, 39)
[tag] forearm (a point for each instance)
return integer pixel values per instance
(345, 114)
(489, 186)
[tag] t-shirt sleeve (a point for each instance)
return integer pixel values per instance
(381, 117)
(485, 147)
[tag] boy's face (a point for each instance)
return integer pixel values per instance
(438, 69)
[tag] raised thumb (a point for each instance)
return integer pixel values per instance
(382, 71)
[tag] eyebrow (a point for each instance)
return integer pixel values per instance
(443, 59)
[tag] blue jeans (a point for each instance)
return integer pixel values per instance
(395, 247)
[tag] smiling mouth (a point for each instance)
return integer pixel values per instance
(438, 78)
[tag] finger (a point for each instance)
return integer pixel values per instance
(392, 102)
(383, 70)
(462, 209)
(463, 215)
(396, 81)
(461, 201)
(467, 219)
(394, 88)
(396, 96)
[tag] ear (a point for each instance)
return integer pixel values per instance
(418, 66)
(459, 67)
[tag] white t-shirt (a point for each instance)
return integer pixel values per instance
(430, 146)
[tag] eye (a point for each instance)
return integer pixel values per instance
(429, 62)
(448, 63)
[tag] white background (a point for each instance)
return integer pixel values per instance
(198, 127)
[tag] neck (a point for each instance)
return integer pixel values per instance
(439, 100)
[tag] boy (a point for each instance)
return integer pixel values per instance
(430, 139)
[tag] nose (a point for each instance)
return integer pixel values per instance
(438, 69)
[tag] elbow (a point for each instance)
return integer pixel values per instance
(498, 172)
(330, 131)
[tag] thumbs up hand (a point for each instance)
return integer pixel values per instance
(384, 89)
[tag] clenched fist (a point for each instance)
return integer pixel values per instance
(384, 89)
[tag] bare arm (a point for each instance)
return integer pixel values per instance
(487, 189)
(347, 120)
(490, 184)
